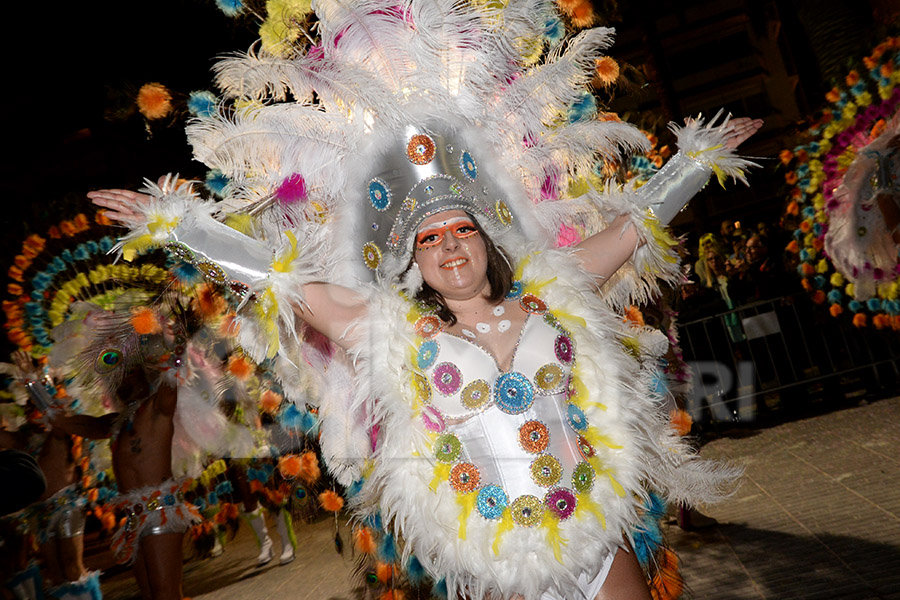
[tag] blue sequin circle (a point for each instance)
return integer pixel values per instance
(513, 393)
(468, 166)
(491, 501)
(575, 417)
(515, 291)
(379, 194)
(428, 353)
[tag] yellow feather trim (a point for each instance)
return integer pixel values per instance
(586, 505)
(506, 524)
(283, 264)
(550, 524)
(466, 504)
(441, 473)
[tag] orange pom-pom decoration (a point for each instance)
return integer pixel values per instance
(681, 421)
(607, 70)
(633, 316)
(835, 310)
(786, 156)
(209, 302)
(383, 571)
(240, 367)
(309, 468)
(108, 521)
(859, 320)
(583, 14)
(818, 297)
(154, 101)
(93, 494)
(289, 466)
(881, 321)
(807, 270)
(269, 401)
(363, 540)
(793, 247)
(145, 321)
(330, 501)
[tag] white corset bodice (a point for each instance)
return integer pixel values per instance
(516, 427)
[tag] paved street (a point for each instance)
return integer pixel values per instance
(818, 516)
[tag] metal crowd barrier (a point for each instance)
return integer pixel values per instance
(768, 356)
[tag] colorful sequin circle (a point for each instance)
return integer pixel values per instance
(549, 379)
(584, 446)
(427, 354)
(575, 417)
(491, 502)
(513, 393)
(428, 326)
(583, 477)
(564, 349)
(527, 511)
(447, 448)
(464, 477)
(561, 503)
(515, 290)
(447, 378)
(371, 255)
(476, 394)
(546, 470)
(468, 166)
(532, 304)
(433, 419)
(534, 437)
(503, 213)
(422, 388)
(420, 149)
(379, 194)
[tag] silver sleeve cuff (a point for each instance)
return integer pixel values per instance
(674, 185)
(243, 258)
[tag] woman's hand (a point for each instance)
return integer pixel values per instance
(738, 130)
(120, 204)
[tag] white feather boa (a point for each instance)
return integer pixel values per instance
(402, 467)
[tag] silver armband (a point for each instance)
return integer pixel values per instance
(242, 259)
(673, 186)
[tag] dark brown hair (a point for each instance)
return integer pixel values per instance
(499, 274)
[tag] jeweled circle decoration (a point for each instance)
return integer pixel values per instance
(513, 393)
(433, 419)
(532, 304)
(212, 272)
(108, 360)
(467, 165)
(181, 251)
(379, 194)
(447, 448)
(527, 511)
(422, 388)
(464, 477)
(515, 291)
(503, 213)
(491, 502)
(476, 394)
(447, 378)
(561, 503)
(420, 149)
(427, 354)
(371, 255)
(575, 417)
(583, 477)
(534, 437)
(585, 447)
(564, 349)
(546, 470)
(549, 378)
(428, 326)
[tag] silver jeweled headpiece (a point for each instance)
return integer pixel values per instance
(424, 173)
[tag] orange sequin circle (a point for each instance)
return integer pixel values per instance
(534, 437)
(420, 149)
(464, 477)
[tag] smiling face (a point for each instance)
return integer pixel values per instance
(451, 254)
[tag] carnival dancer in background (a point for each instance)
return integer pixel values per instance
(57, 519)
(492, 418)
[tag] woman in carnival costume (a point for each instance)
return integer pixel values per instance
(494, 413)
(57, 518)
